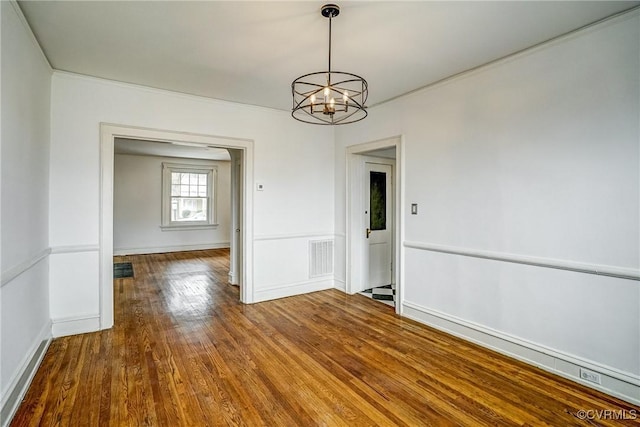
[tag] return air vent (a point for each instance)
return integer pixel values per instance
(320, 258)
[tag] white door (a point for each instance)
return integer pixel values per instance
(379, 223)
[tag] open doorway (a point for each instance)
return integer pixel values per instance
(374, 221)
(240, 155)
(170, 197)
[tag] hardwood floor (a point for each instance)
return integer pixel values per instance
(185, 352)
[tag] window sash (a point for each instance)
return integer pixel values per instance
(188, 210)
(189, 195)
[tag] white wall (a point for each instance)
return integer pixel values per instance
(534, 156)
(24, 292)
(137, 202)
(293, 161)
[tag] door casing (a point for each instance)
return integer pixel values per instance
(108, 133)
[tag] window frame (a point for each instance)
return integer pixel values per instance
(212, 179)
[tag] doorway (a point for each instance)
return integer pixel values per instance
(241, 151)
(379, 220)
(374, 190)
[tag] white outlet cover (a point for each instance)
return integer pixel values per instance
(590, 376)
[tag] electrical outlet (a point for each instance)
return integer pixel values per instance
(590, 376)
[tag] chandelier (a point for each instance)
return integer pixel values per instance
(329, 97)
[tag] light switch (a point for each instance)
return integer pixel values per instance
(259, 187)
(414, 209)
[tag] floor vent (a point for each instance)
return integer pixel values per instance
(320, 258)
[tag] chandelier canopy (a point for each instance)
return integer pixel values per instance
(329, 97)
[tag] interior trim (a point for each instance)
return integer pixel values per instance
(32, 36)
(108, 133)
(624, 14)
(74, 325)
(579, 267)
(293, 236)
(73, 249)
(272, 292)
(21, 380)
(13, 272)
(625, 385)
(174, 248)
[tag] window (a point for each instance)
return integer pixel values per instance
(378, 201)
(188, 196)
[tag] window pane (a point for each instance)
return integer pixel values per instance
(184, 178)
(378, 201)
(202, 179)
(202, 191)
(188, 209)
(184, 190)
(175, 178)
(175, 190)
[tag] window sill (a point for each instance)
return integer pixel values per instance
(188, 227)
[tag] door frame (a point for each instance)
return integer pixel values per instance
(356, 241)
(108, 133)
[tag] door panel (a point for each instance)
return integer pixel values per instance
(378, 211)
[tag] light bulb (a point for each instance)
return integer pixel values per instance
(326, 91)
(313, 98)
(332, 102)
(345, 96)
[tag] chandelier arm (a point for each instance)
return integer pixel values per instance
(328, 122)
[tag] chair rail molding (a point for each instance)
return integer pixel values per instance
(327, 235)
(580, 267)
(13, 272)
(73, 249)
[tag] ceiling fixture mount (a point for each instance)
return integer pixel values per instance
(329, 97)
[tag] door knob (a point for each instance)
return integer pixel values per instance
(368, 232)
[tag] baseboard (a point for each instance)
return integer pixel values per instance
(282, 291)
(18, 386)
(164, 249)
(340, 285)
(233, 278)
(75, 325)
(623, 385)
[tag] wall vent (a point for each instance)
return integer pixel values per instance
(320, 258)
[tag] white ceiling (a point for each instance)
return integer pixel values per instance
(169, 149)
(250, 52)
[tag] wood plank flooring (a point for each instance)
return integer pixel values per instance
(185, 352)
